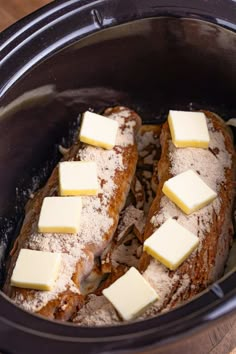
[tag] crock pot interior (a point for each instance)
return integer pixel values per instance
(151, 65)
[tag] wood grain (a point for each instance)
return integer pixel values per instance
(222, 340)
(13, 10)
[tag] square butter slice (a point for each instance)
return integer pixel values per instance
(188, 191)
(188, 129)
(36, 270)
(60, 214)
(131, 294)
(171, 244)
(98, 130)
(78, 178)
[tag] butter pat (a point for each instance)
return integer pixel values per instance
(171, 244)
(60, 214)
(188, 129)
(78, 178)
(131, 294)
(188, 191)
(98, 130)
(36, 270)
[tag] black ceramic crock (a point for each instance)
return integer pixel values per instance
(72, 55)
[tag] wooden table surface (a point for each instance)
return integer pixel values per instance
(222, 340)
(12, 10)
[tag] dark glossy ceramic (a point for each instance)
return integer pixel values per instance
(74, 55)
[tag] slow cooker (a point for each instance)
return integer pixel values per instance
(78, 54)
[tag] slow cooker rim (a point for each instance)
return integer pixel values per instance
(218, 310)
(140, 332)
(23, 24)
(11, 39)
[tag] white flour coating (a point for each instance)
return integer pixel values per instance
(125, 134)
(95, 219)
(158, 277)
(63, 283)
(146, 139)
(148, 147)
(127, 255)
(184, 284)
(129, 217)
(97, 312)
(138, 192)
(210, 164)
